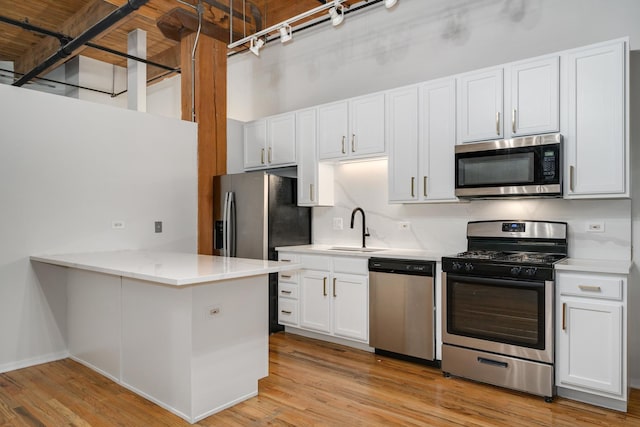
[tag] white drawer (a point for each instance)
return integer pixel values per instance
(288, 257)
(591, 285)
(351, 265)
(288, 277)
(287, 311)
(288, 290)
(315, 262)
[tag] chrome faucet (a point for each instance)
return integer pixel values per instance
(365, 230)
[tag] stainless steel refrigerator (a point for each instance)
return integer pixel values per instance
(254, 213)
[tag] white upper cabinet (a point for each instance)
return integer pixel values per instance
(352, 128)
(315, 180)
(530, 91)
(535, 97)
(255, 141)
(270, 142)
(333, 128)
(421, 135)
(596, 134)
(436, 181)
(402, 134)
(480, 115)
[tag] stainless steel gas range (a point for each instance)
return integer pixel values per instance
(497, 304)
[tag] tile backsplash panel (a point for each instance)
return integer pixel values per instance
(442, 226)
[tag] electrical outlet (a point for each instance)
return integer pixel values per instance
(595, 227)
(404, 225)
(158, 226)
(337, 224)
(117, 225)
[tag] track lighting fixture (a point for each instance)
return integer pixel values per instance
(336, 17)
(255, 45)
(390, 3)
(286, 34)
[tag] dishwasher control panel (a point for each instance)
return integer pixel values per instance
(402, 266)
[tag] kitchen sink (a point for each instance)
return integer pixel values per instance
(352, 249)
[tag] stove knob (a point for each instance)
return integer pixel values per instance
(468, 266)
(516, 271)
(456, 266)
(531, 271)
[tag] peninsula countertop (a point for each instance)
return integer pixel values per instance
(170, 268)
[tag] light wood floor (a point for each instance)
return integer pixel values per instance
(310, 383)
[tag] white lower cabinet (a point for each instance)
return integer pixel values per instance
(591, 362)
(333, 297)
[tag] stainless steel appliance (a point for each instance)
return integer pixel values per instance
(401, 307)
(522, 167)
(497, 304)
(255, 212)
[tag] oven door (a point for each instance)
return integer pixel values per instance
(504, 316)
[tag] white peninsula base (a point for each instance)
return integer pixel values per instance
(193, 349)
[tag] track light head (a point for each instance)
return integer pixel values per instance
(255, 45)
(286, 34)
(390, 3)
(336, 17)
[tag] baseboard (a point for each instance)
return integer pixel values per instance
(593, 399)
(25, 363)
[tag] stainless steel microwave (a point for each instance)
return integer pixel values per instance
(521, 167)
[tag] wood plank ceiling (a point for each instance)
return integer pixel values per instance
(26, 48)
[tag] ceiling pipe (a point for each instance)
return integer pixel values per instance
(63, 38)
(88, 34)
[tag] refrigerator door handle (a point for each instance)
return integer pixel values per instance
(225, 226)
(232, 225)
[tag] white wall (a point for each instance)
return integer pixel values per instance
(419, 40)
(68, 169)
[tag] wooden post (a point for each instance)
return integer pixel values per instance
(210, 77)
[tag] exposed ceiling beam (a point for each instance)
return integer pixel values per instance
(86, 17)
(180, 22)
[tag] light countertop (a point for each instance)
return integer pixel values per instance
(171, 268)
(378, 253)
(594, 265)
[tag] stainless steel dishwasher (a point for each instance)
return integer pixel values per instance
(401, 307)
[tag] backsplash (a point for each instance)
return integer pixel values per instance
(442, 227)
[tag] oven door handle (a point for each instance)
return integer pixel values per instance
(493, 362)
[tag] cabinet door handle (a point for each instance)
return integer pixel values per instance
(588, 288)
(262, 156)
(424, 186)
(285, 312)
(269, 155)
(513, 121)
(413, 185)
(343, 150)
(497, 122)
(334, 288)
(564, 316)
(311, 192)
(571, 173)
(353, 142)
(285, 260)
(285, 292)
(324, 286)
(285, 277)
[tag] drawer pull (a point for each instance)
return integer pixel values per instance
(564, 316)
(493, 362)
(285, 312)
(285, 292)
(588, 288)
(284, 276)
